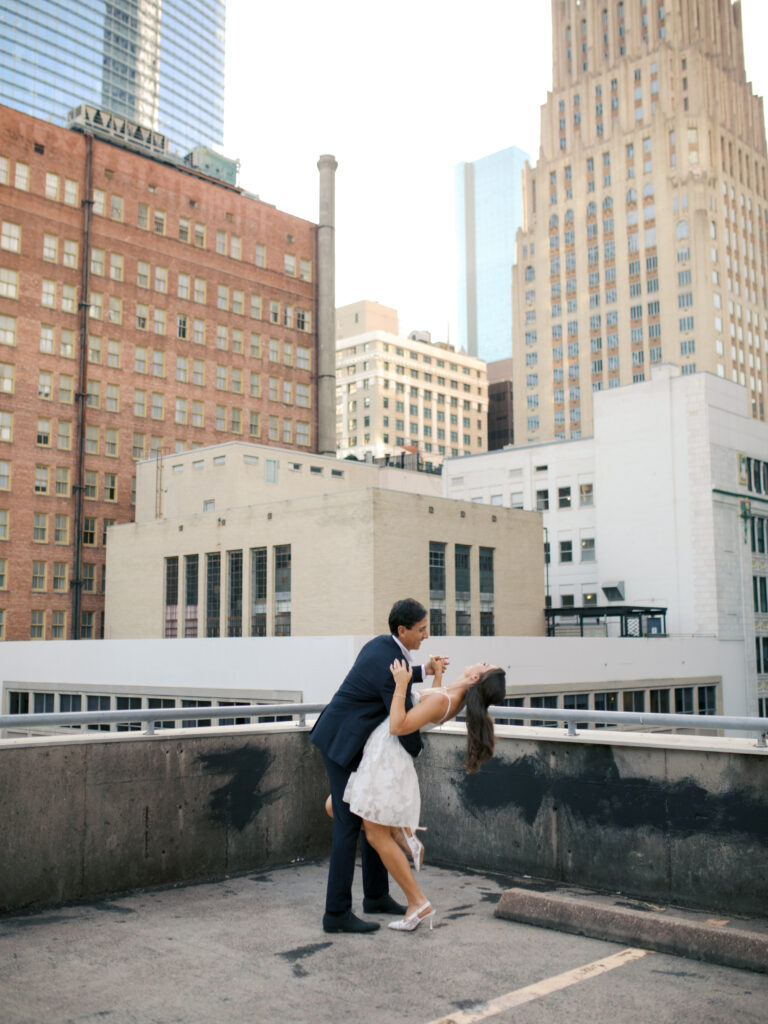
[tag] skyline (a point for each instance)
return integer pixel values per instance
(397, 129)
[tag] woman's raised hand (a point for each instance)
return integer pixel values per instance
(401, 672)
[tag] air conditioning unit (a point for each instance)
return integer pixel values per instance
(614, 590)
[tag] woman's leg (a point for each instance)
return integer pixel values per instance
(381, 839)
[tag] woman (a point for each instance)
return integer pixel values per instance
(384, 791)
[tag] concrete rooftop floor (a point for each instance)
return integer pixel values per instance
(251, 948)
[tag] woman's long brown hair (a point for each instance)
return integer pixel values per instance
(489, 689)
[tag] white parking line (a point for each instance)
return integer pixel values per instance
(543, 988)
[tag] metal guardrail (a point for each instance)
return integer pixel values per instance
(569, 717)
(150, 716)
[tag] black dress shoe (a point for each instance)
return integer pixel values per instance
(347, 922)
(383, 905)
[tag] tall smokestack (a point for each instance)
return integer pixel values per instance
(326, 308)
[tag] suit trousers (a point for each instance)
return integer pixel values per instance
(346, 829)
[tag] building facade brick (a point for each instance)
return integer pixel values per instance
(145, 309)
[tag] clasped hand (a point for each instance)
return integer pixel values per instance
(436, 664)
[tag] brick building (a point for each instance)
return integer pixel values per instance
(172, 311)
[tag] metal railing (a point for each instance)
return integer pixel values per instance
(570, 718)
(151, 716)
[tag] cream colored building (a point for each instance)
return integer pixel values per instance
(396, 395)
(645, 216)
(243, 540)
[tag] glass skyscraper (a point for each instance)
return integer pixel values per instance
(489, 212)
(159, 63)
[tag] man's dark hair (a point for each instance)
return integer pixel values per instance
(406, 613)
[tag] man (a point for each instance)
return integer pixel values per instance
(358, 706)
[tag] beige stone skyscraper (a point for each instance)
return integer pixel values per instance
(645, 217)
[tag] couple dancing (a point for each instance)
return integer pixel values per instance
(369, 735)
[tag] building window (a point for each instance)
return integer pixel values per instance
(463, 590)
(172, 597)
(283, 590)
(212, 594)
(588, 549)
(191, 575)
(437, 594)
(234, 593)
(566, 551)
(258, 591)
(487, 612)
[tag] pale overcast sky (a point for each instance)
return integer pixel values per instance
(399, 93)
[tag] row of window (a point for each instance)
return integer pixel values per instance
(464, 564)
(149, 219)
(586, 494)
(186, 412)
(51, 624)
(22, 702)
(428, 378)
(587, 548)
(57, 294)
(55, 576)
(147, 359)
(678, 700)
(364, 348)
(196, 331)
(217, 596)
(227, 378)
(41, 528)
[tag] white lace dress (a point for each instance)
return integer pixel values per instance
(385, 787)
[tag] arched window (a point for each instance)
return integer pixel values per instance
(682, 230)
(569, 216)
(554, 220)
(530, 273)
(592, 209)
(648, 189)
(632, 195)
(607, 203)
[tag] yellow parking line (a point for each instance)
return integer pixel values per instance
(543, 988)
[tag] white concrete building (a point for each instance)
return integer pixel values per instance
(666, 506)
(398, 395)
(244, 540)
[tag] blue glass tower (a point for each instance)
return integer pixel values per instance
(489, 212)
(159, 63)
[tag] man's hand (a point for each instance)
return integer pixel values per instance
(437, 663)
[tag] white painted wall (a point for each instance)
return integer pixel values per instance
(316, 665)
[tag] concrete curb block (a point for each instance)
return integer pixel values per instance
(662, 929)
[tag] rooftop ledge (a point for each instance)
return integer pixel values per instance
(666, 818)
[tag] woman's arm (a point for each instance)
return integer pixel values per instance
(402, 722)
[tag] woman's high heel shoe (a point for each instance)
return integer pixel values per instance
(415, 846)
(412, 921)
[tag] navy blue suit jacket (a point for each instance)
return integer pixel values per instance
(361, 703)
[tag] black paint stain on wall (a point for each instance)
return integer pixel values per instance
(240, 800)
(594, 792)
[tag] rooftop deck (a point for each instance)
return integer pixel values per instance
(250, 948)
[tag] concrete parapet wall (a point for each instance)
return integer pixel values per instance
(92, 817)
(673, 819)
